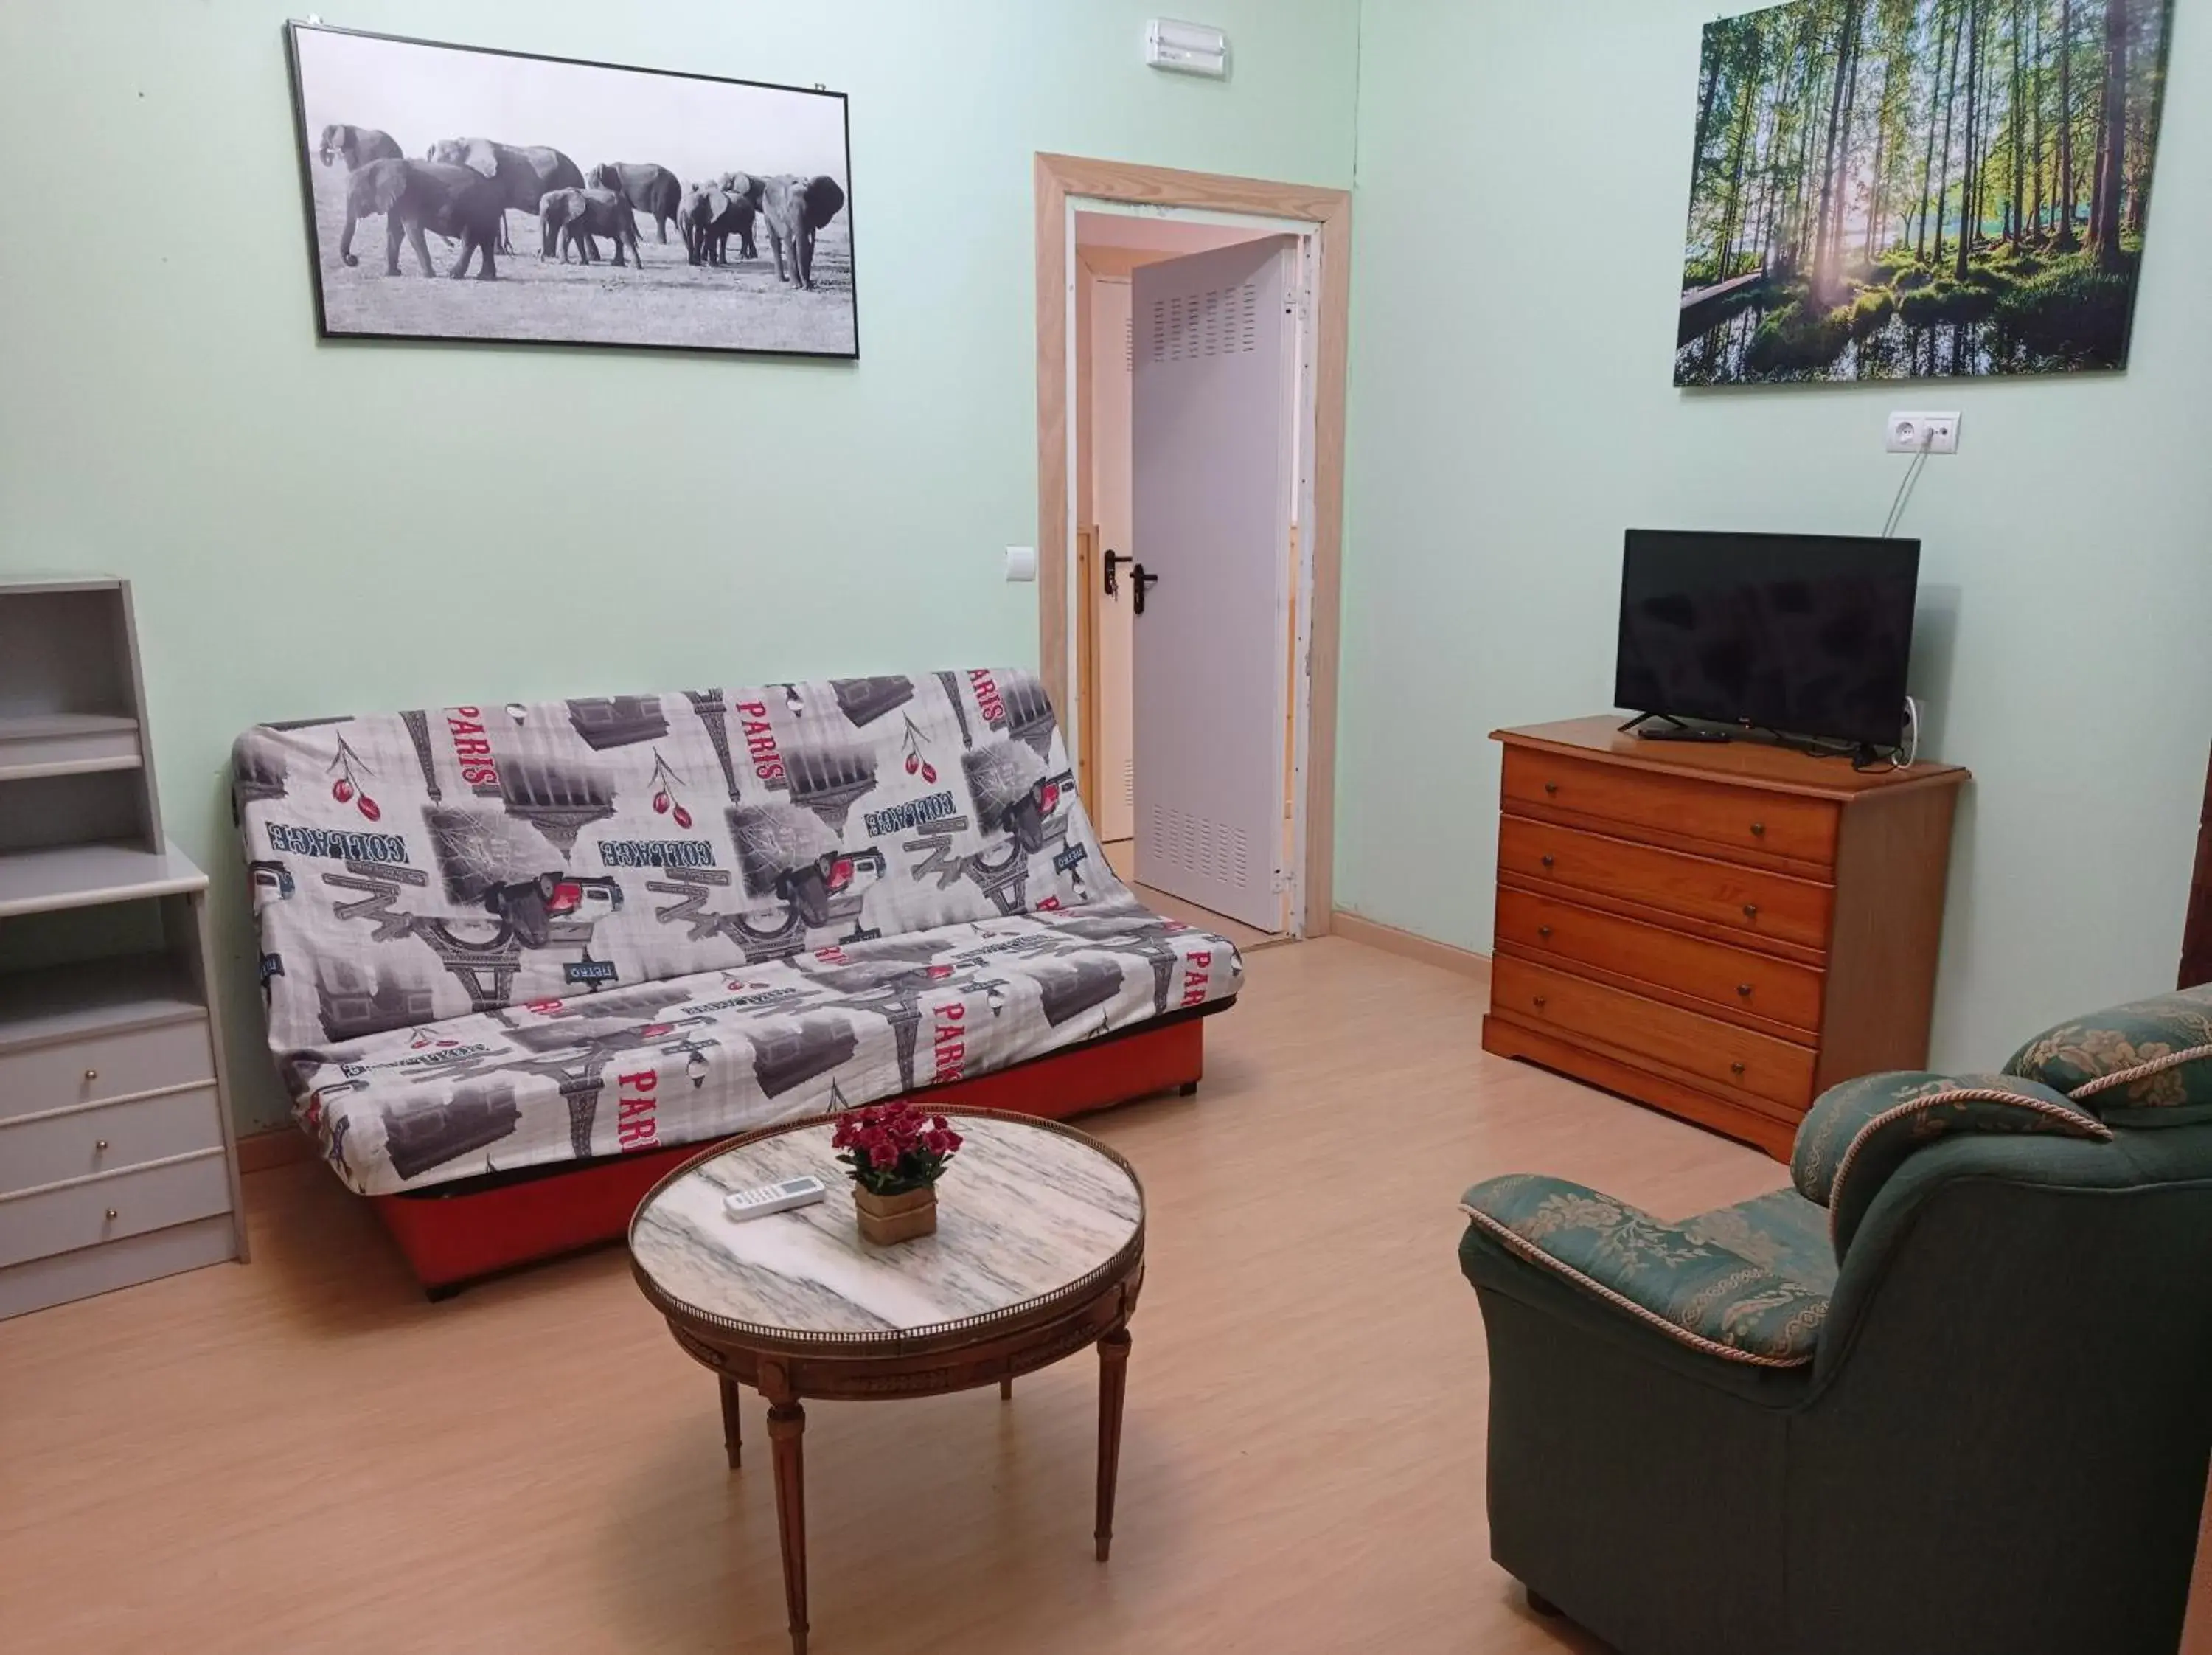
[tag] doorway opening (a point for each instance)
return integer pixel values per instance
(1190, 386)
(1175, 865)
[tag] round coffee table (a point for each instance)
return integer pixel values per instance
(1039, 1251)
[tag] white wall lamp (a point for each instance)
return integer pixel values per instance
(1187, 48)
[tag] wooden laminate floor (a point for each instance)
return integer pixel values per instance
(301, 1454)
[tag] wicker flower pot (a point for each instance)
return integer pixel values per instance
(888, 1219)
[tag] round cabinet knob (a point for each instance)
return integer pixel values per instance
(1551, 787)
(1539, 1003)
(1545, 932)
(1546, 858)
(1758, 830)
(100, 1146)
(1735, 1069)
(1751, 910)
(111, 1215)
(92, 1074)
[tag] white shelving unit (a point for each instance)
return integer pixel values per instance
(117, 1160)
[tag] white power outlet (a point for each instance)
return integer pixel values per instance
(1936, 433)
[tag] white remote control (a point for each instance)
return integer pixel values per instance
(774, 1197)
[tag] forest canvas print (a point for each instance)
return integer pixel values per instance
(1897, 189)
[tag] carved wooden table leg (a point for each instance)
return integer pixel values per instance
(730, 1423)
(1113, 1378)
(787, 1426)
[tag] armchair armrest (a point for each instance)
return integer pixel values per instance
(1693, 1292)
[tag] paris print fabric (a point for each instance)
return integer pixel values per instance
(508, 935)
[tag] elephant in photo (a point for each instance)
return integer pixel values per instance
(653, 191)
(695, 218)
(358, 145)
(745, 192)
(522, 173)
(415, 196)
(570, 218)
(795, 208)
(708, 216)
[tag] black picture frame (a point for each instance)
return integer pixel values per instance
(740, 305)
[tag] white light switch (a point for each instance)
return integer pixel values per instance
(1021, 562)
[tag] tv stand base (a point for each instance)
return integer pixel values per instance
(1674, 729)
(1708, 732)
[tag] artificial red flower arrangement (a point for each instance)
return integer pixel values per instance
(895, 1153)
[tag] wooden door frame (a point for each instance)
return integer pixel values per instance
(1329, 212)
(2197, 925)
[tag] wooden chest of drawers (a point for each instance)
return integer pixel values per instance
(1722, 932)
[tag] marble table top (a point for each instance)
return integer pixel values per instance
(1023, 1211)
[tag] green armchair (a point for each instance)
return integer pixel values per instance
(1953, 1393)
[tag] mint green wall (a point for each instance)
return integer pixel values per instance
(319, 528)
(1523, 171)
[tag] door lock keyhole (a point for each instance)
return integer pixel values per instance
(1112, 560)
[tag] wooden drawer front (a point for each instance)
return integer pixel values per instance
(1745, 818)
(1718, 1052)
(1749, 900)
(104, 1066)
(106, 1139)
(1733, 977)
(76, 1215)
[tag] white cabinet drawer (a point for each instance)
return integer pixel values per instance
(98, 1066)
(107, 1138)
(104, 1209)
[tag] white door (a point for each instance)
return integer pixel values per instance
(1111, 351)
(1212, 488)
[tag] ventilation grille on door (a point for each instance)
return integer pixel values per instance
(1206, 848)
(1213, 323)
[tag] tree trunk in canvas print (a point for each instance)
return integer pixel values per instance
(1904, 189)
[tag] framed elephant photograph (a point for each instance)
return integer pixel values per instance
(458, 192)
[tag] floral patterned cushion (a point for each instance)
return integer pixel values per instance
(2146, 1063)
(1780, 1231)
(1858, 1132)
(1695, 1290)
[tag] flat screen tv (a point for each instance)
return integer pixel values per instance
(1802, 634)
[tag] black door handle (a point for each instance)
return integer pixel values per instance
(1111, 560)
(1140, 580)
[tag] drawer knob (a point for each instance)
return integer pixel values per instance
(100, 1146)
(92, 1074)
(1744, 988)
(1546, 858)
(1751, 910)
(1758, 830)
(111, 1215)
(1544, 931)
(1540, 1002)
(1735, 1069)
(1551, 787)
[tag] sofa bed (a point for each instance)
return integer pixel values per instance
(519, 959)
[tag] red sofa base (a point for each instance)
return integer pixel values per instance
(456, 1237)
